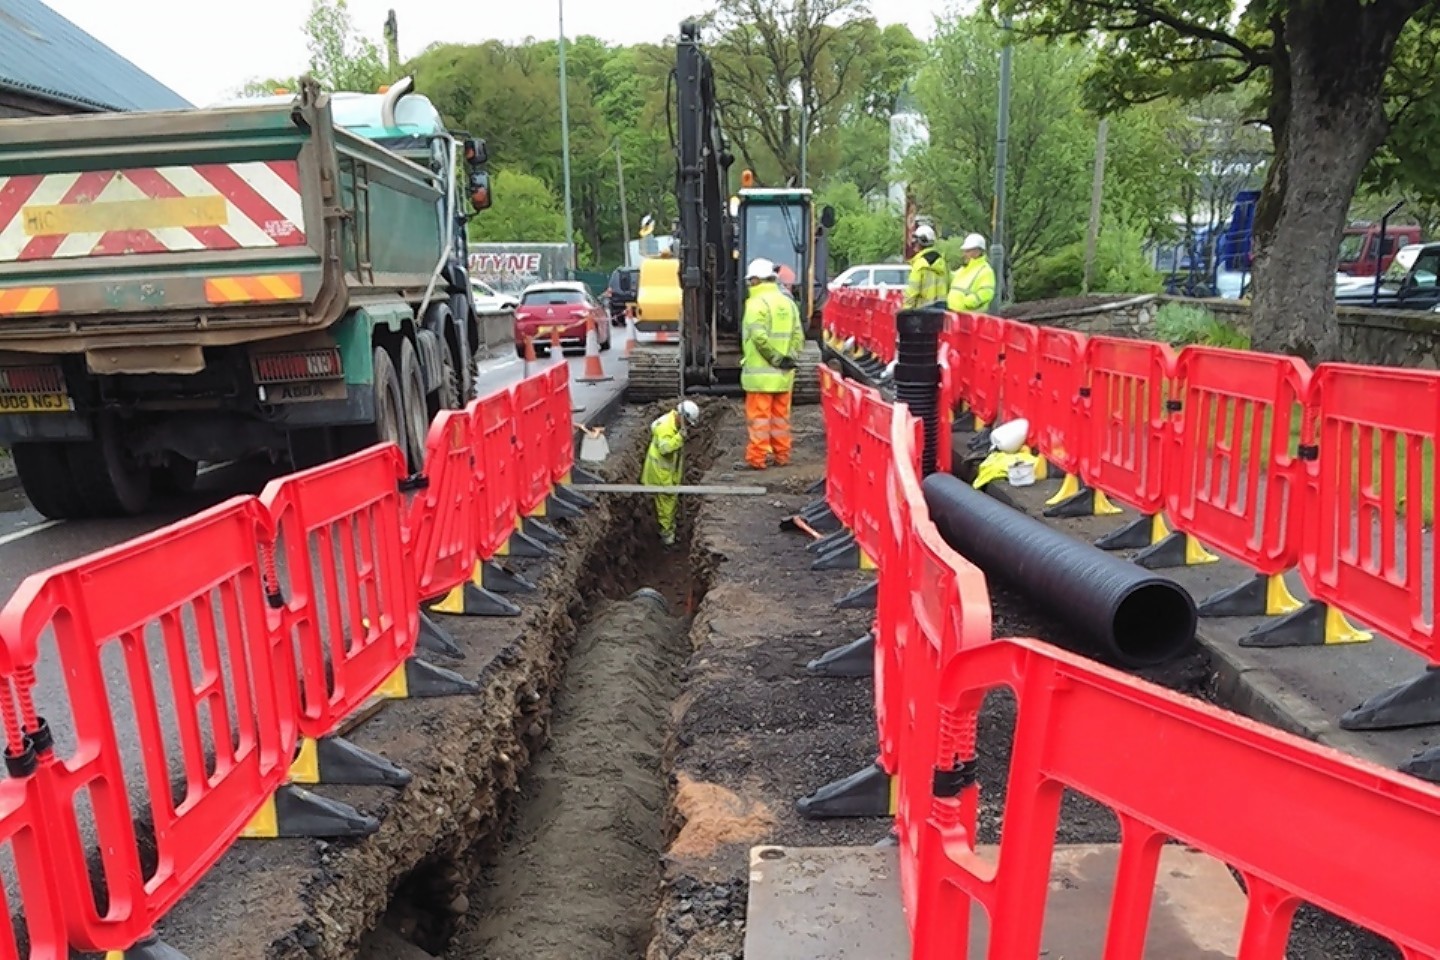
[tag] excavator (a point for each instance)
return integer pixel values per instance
(690, 304)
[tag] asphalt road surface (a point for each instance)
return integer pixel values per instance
(29, 544)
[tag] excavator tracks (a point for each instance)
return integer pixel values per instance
(655, 374)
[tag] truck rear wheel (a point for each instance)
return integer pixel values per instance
(176, 478)
(415, 413)
(388, 427)
(93, 478)
(44, 472)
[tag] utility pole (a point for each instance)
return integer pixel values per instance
(624, 213)
(1097, 192)
(804, 137)
(565, 139)
(392, 45)
(1002, 140)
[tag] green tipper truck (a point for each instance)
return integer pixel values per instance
(286, 277)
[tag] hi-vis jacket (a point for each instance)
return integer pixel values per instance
(663, 459)
(973, 287)
(928, 278)
(772, 332)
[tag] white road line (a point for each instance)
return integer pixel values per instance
(22, 534)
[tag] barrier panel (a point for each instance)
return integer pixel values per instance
(1127, 433)
(883, 333)
(532, 452)
(492, 425)
(1259, 800)
(1368, 547)
(352, 607)
(840, 402)
(986, 373)
(1059, 376)
(181, 714)
(959, 335)
(1235, 480)
(560, 423)
(1019, 371)
(440, 522)
(872, 459)
(39, 909)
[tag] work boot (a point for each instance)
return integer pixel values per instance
(668, 538)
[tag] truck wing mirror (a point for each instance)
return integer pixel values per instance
(827, 216)
(479, 183)
(476, 152)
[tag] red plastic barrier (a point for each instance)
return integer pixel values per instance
(352, 604)
(1128, 434)
(440, 526)
(883, 332)
(1368, 545)
(1058, 425)
(1020, 368)
(872, 460)
(560, 424)
(959, 335)
(841, 402)
(1296, 820)
(986, 378)
(492, 427)
(1234, 480)
(40, 907)
(167, 658)
(532, 443)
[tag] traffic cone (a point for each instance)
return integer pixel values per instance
(594, 372)
(556, 352)
(529, 353)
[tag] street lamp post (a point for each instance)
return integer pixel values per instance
(624, 212)
(1002, 143)
(565, 139)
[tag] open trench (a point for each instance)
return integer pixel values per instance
(571, 865)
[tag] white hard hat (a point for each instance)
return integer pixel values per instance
(689, 410)
(760, 269)
(974, 242)
(1010, 436)
(925, 233)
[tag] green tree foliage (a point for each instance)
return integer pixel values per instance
(863, 232)
(1332, 79)
(525, 209)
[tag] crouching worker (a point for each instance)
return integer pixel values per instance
(664, 462)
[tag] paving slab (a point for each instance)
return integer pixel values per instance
(839, 903)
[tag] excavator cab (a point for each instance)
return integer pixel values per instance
(779, 225)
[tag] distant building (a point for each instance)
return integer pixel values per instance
(908, 131)
(50, 66)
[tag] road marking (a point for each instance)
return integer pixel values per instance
(21, 534)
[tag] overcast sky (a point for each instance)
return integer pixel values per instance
(206, 49)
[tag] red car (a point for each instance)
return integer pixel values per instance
(565, 305)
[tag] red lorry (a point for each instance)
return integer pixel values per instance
(1360, 249)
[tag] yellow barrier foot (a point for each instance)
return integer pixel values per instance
(149, 947)
(1087, 502)
(1414, 703)
(1068, 488)
(854, 659)
(468, 600)
(335, 760)
(1313, 625)
(845, 555)
(416, 679)
(1174, 550)
(1260, 596)
(867, 793)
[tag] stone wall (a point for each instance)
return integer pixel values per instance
(1384, 337)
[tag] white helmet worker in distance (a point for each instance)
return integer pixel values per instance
(924, 234)
(689, 412)
(760, 270)
(974, 242)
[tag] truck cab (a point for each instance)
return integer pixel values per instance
(1364, 253)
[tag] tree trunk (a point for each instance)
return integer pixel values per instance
(1327, 117)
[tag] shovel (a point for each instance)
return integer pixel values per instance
(594, 448)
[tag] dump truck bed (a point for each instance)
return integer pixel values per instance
(203, 227)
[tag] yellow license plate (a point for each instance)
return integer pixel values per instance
(34, 403)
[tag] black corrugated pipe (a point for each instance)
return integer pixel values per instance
(917, 372)
(1129, 615)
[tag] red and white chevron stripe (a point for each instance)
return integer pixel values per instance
(262, 208)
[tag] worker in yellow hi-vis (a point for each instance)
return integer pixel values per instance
(972, 289)
(928, 272)
(773, 340)
(664, 462)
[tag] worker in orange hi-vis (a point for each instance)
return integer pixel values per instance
(773, 339)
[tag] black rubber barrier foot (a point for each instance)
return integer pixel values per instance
(854, 659)
(1260, 596)
(557, 508)
(335, 760)
(819, 512)
(468, 600)
(1088, 502)
(149, 947)
(573, 497)
(1174, 550)
(541, 532)
(521, 544)
(436, 638)
(980, 441)
(846, 556)
(1313, 625)
(300, 813)
(499, 579)
(1425, 766)
(1134, 535)
(1414, 703)
(861, 598)
(830, 541)
(863, 794)
(816, 489)
(581, 475)
(416, 680)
